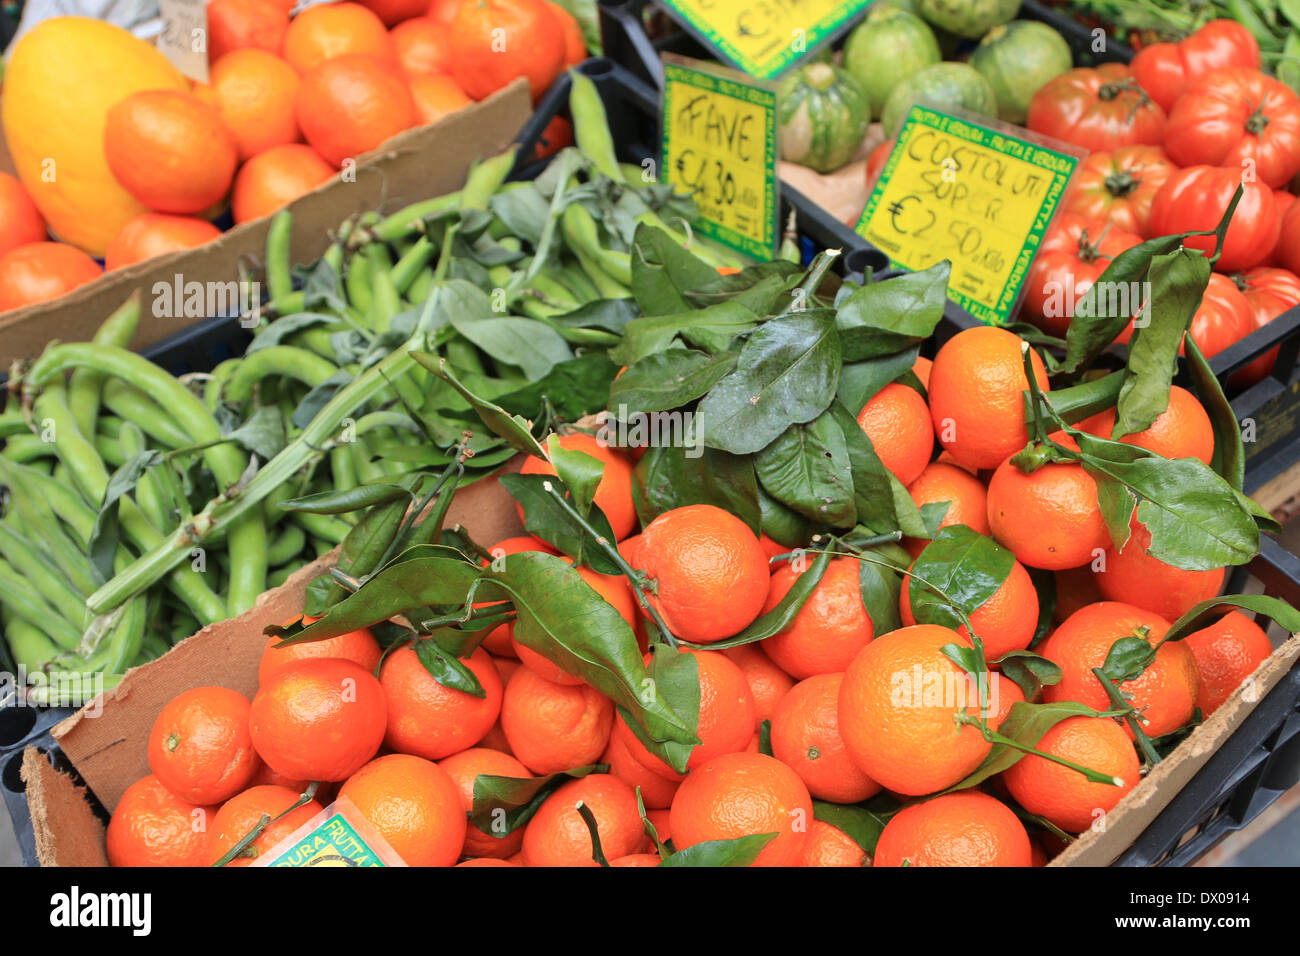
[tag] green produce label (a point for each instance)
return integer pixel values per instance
(719, 143)
(979, 197)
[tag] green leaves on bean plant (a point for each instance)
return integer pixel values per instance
(104, 536)
(663, 272)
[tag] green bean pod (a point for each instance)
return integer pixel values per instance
(135, 406)
(23, 601)
(287, 546)
(276, 362)
(85, 385)
(279, 272)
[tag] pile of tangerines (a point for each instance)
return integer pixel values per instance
(287, 104)
(406, 750)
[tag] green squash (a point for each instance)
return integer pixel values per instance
(942, 85)
(1017, 58)
(886, 48)
(968, 18)
(824, 115)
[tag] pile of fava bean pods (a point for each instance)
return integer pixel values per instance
(139, 507)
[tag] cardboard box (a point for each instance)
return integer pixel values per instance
(416, 164)
(109, 750)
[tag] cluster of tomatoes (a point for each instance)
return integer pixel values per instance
(1171, 137)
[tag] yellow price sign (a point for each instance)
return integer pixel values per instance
(979, 197)
(719, 142)
(765, 37)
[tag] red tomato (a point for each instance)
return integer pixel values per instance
(1269, 293)
(1237, 117)
(1073, 254)
(1164, 70)
(557, 135)
(876, 160)
(1283, 200)
(1288, 242)
(1098, 108)
(1224, 317)
(1118, 187)
(1197, 198)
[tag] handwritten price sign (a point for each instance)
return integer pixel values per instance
(979, 197)
(764, 37)
(719, 141)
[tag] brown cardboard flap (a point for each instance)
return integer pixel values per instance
(67, 831)
(1138, 809)
(106, 739)
(414, 165)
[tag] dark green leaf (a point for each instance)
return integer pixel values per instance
(882, 318)
(572, 389)
(1177, 280)
(863, 823)
(443, 666)
(961, 569)
(883, 504)
(504, 804)
(1229, 459)
(787, 373)
(807, 469)
(663, 273)
(859, 381)
(668, 379)
(717, 326)
(1206, 611)
(514, 429)
(670, 477)
(1025, 724)
(880, 588)
(676, 678)
(104, 536)
(1030, 671)
(546, 519)
(741, 851)
(1127, 658)
(579, 471)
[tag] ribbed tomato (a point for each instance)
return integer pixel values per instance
(1118, 187)
(1223, 318)
(1283, 200)
(1098, 108)
(1165, 70)
(1288, 242)
(1073, 254)
(1269, 293)
(1241, 118)
(1197, 197)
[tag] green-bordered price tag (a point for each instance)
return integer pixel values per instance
(336, 836)
(765, 37)
(719, 142)
(974, 193)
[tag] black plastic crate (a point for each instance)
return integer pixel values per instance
(1079, 35)
(632, 107)
(20, 728)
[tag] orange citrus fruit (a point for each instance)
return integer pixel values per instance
(20, 220)
(708, 576)
(967, 828)
(271, 180)
(40, 271)
(1005, 622)
(199, 747)
(976, 384)
(170, 150)
(151, 826)
(318, 719)
(557, 835)
(552, 727)
(254, 93)
(656, 790)
(614, 490)
(463, 769)
(351, 104)
(496, 41)
(153, 234)
(413, 804)
(1164, 694)
(435, 96)
(830, 628)
(1063, 795)
(244, 24)
(830, 846)
(1135, 577)
(767, 682)
(395, 11)
(422, 46)
(1182, 430)
(744, 794)
(897, 712)
(575, 44)
(432, 721)
(897, 421)
(328, 30)
(965, 495)
(1226, 653)
(358, 646)
(242, 812)
(806, 738)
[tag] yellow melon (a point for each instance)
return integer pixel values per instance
(61, 80)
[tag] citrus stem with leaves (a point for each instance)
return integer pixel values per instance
(1130, 716)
